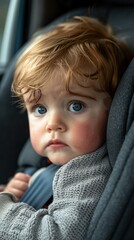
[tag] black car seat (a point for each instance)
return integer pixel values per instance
(113, 218)
(114, 214)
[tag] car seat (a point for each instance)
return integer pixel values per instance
(114, 214)
(113, 218)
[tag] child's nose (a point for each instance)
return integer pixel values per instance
(55, 123)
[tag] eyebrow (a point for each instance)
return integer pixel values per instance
(84, 95)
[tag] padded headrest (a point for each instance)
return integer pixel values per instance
(120, 2)
(121, 18)
(121, 113)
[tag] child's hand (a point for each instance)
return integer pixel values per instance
(18, 185)
(2, 187)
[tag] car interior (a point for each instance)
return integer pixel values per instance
(114, 215)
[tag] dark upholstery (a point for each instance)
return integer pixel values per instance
(121, 17)
(13, 127)
(121, 117)
(114, 216)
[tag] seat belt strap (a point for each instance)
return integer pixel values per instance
(40, 190)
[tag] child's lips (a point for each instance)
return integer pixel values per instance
(56, 144)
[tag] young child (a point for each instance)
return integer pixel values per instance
(66, 79)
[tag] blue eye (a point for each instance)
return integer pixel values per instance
(76, 106)
(40, 110)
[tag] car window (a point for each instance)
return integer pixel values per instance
(4, 4)
(12, 15)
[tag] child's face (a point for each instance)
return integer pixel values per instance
(62, 125)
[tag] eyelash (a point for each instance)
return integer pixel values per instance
(76, 102)
(33, 108)
(75, 106)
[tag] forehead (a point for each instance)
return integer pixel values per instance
(84, 75)
(79, 82)
(82, 81)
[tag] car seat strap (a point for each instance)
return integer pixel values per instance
(40, 190)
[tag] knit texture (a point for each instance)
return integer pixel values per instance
(77, 188)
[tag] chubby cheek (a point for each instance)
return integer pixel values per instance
(35, 137)
(88, 137)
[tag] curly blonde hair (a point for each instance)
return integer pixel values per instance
(68, 46)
